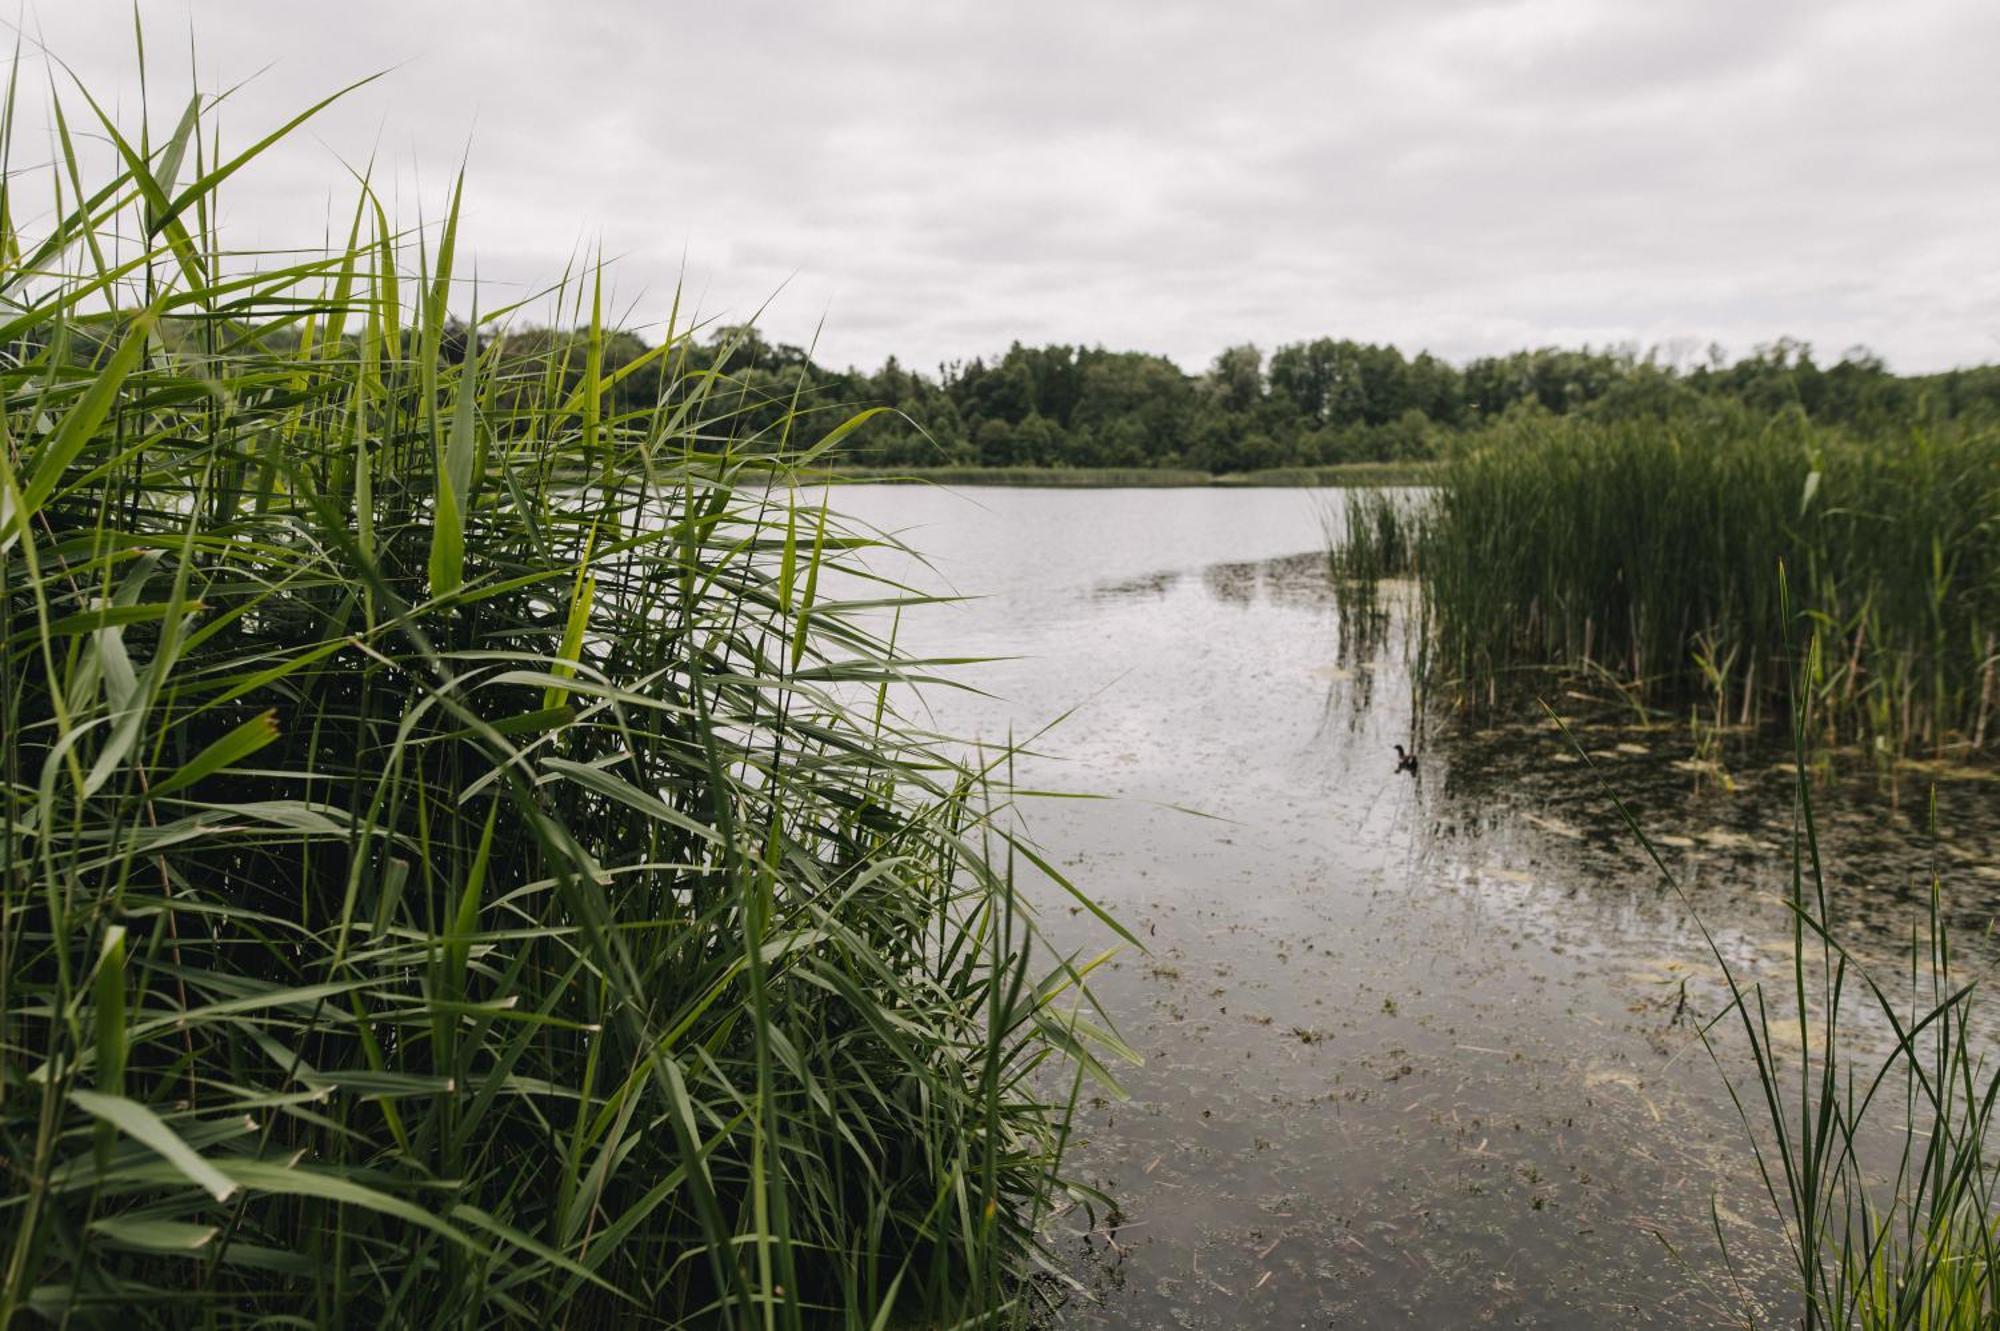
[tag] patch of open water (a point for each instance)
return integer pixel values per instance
(1418, 1052)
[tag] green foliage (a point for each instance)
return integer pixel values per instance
(1645, 550)
(1310, 405)
(462, 862)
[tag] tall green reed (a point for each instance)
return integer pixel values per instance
(1375, 536)
(1371, 537)
(464, 860)
(1636, 551)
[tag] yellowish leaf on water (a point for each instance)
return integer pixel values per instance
(1786, 1034)
(1555, 826)
(1660, 970)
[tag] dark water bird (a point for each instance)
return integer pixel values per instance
(1405, 762)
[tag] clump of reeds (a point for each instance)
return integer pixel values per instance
(1641, 551)
(1376, 537)
(1371, 538)
(462, 864)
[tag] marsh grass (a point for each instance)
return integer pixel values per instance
(1375, 537)
(1371, 538)
(462, 864)
(1638, 554)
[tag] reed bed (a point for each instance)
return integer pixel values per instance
(1648, 551)
(462, 864)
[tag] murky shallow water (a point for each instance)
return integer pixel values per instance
(1416, 1051)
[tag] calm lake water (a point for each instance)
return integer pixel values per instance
(1417, 1051)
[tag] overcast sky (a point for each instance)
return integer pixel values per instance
(939, 179)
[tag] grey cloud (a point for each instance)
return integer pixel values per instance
(936, 180)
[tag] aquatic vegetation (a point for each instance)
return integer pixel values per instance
(1869, 1111)
(1748, 572)
(462, 860)
(1376, 537)
(1645, 554)
(1371, 538)
(1878, 1165)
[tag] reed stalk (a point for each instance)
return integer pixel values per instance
(464, 862)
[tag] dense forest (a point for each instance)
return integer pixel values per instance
(1317, 403)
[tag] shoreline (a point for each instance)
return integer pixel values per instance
(1135, 478)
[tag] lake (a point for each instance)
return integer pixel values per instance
(1418, 1051)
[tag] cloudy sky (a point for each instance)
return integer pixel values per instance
(938, 179)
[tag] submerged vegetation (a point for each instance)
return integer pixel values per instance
(1870, 1100)
(1647, 553)
(462, 861)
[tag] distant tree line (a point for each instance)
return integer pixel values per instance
(1312, 403)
